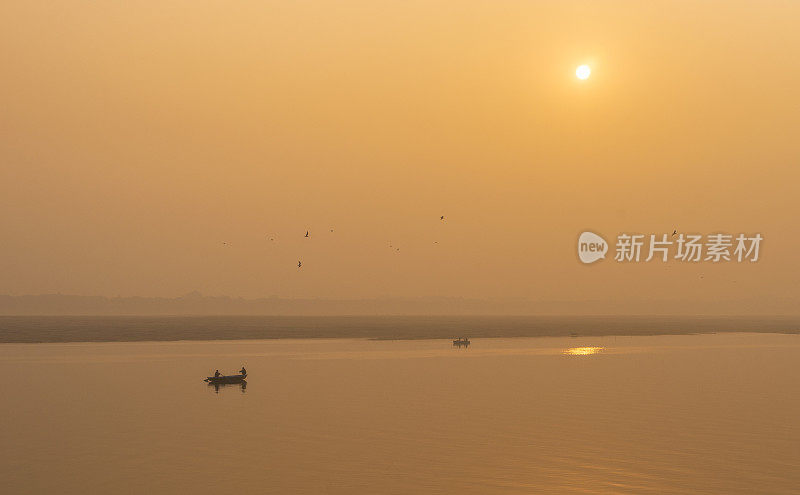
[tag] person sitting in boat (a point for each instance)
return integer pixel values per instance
(243, 371)
(217, 374)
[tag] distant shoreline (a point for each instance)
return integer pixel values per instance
(64, 329)
(197, 304)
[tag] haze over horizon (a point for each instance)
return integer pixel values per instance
(154, 152)
(198, 304)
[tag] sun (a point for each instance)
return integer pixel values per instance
(583, 72)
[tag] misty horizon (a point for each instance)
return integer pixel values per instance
(196, 303)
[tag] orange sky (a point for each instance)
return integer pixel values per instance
(136, 138)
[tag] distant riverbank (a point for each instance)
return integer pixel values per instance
(33, 329)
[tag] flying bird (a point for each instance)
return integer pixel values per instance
(441, 217)
(674, 232)
(306, 233)
(299, 264)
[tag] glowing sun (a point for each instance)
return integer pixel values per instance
(583, 72)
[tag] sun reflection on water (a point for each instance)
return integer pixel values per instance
(583, 351)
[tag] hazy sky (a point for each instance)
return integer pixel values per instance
(137, 137)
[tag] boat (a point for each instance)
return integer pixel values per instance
(226, 379)
(463, 341)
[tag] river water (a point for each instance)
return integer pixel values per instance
(714, 413)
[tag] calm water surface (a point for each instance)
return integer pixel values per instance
(663, 414)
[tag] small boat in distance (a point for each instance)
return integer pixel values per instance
(463, 341)
(225, 379)
(220, 378)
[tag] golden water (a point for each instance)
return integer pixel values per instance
(690, 414)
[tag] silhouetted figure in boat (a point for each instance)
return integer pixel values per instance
(243, 371)
(217, 374)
